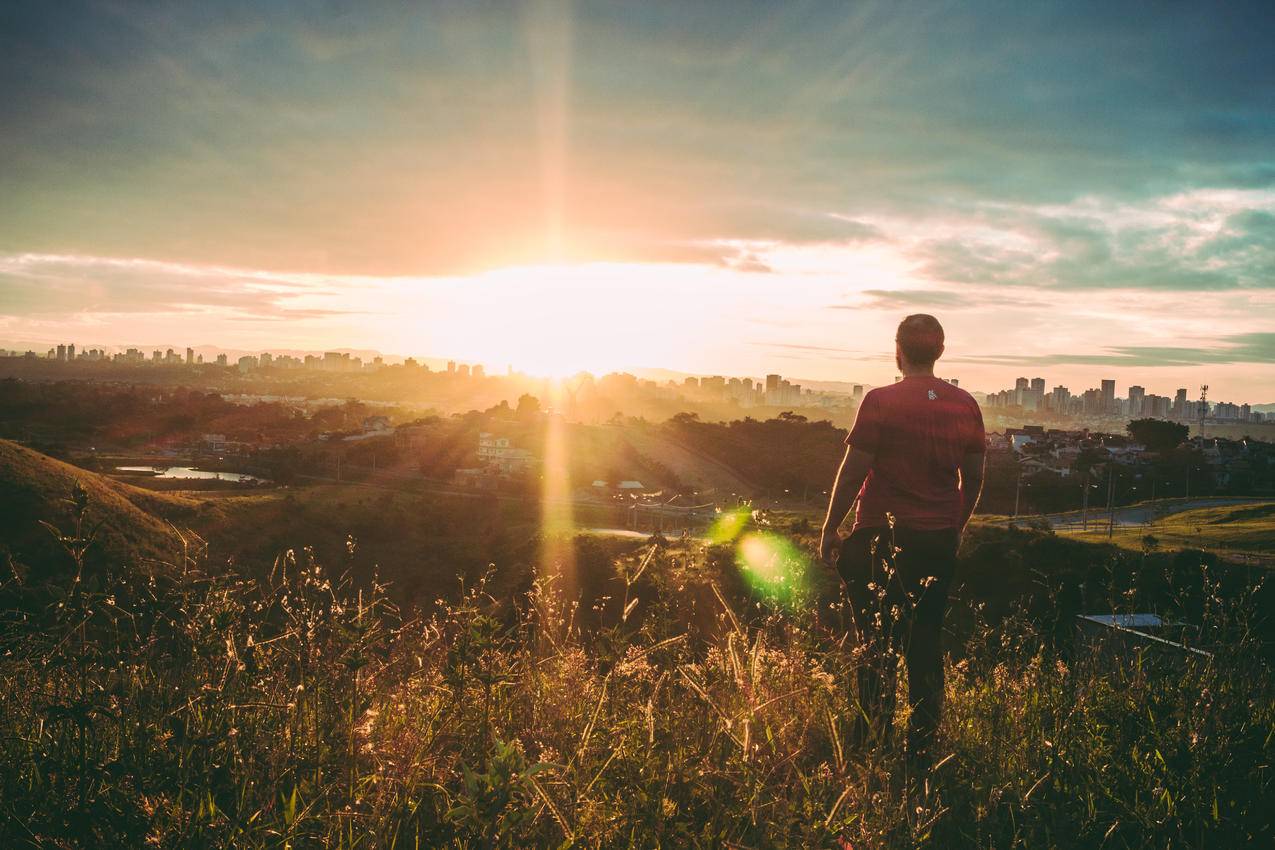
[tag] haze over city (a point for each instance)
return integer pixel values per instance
(1078, 191)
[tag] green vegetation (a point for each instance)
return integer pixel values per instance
(34, 487)
(1234, 529)
(788, 454)
(1158, 435)
(663, 699)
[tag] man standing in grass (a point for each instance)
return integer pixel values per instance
(914, 462)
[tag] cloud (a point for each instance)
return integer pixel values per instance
(749, 262)
(1246, 348)
(906, 299)
(802, 351)
(35, 285)
(410, 140)
(1201, 241)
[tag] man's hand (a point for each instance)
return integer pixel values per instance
(829, 547)
(855, 467)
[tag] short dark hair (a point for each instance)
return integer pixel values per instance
(920, 336)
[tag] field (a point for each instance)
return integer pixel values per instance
(1233, 530)
(616, 693)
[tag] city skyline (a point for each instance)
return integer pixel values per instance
(602, 187)
(1032, 394)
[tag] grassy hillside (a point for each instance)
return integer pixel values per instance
(1234, 529)
(305, 712)
(422, 544)
(35, 487)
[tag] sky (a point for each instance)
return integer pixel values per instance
(1077, 190)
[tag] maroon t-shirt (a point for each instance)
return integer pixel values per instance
(919, 429)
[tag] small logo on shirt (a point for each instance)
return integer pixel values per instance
(932, 395)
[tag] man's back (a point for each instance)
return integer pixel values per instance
(918, 431)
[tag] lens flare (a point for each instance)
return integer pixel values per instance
(557, 521)
(774, 568)
(729, 525)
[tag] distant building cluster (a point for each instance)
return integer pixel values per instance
(1102, 402)
(329, 361)
(775, 391)
(1028, 396)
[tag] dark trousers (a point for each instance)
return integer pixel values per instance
(898, 580)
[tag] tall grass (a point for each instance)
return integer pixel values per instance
(185, 709)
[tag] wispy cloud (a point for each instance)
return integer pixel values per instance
(39, 284)
(1248, 348)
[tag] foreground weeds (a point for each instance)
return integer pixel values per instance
(187, 710)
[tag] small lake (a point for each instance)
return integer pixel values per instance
(190, 473)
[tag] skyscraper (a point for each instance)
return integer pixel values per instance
(1108, 396)
(1137, 396)
(1179, 403)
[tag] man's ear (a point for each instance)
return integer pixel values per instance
(941, 350)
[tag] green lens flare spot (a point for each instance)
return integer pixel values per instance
(774, 569)
(729, 525)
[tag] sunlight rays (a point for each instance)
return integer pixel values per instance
(548, 32)
(557, 520)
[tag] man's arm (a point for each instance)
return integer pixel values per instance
(972, 466)
(855, 467)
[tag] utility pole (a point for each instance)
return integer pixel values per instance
(1204, 406)
(1084, 503)
(1111, 502)
(1018, 486)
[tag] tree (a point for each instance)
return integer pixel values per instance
(1158, 435)
(528, 406)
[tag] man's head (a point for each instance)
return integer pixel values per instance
(918, 342)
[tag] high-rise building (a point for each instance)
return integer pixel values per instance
(772, 383)
(479, 371)
(190, 356)
(70, 351)
(451, 367)
(1058, 398)
(1108, 396)
(1137, 396)
(857, 392)
(1038, 385)
(1179, 403)
(61, 353)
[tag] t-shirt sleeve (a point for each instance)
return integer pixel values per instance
(866, 433)
(976, 442)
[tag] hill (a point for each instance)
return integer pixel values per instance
(35, 487)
